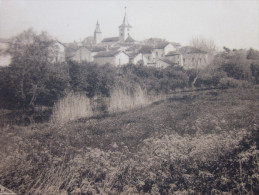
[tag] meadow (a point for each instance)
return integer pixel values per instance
(197, 142)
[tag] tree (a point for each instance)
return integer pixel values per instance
(203, 44)
(32, 54)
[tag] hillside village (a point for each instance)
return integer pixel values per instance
(124, 49)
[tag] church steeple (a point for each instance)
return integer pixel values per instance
(97, 33)
(124, 28)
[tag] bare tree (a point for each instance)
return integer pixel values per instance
(203, 43)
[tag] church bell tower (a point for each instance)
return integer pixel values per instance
(97, 34)
(124, 28)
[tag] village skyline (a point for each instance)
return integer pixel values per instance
(233, 24)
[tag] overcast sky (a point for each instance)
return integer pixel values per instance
(230, 23)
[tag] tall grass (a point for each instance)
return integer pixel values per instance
(75, 106)
(123, 99)
(71, 107)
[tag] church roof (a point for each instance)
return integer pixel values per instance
(125, 22)
(111, 39)
(129, 39)
(97, 29)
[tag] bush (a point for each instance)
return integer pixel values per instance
(226, 83)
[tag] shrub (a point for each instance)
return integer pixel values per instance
(71, 107)
(226, 83)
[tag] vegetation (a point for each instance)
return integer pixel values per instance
(32, 79)
(194, 143)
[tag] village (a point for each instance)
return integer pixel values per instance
(123, 49)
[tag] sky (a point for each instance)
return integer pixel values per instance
(230, 23)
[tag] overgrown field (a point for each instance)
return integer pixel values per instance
(203, 142)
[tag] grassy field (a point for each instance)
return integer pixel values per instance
(203, 142)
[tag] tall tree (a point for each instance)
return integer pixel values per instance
(32, 54)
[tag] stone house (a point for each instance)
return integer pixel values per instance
(116, 58)
(174, 56)
(188, 57)
(80, 54)
(193, 58)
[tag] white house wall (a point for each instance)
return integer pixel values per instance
(140, 57)
(121, 59)
(169, 48)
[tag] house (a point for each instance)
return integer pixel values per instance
(148, 53)
(162, 63)
(161, 49)
(192, 57)
(138, 58)
(59, 55)
(78, 54)
(116, 58)
(82, 54)
(174, 56)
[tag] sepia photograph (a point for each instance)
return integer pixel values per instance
(125, 97)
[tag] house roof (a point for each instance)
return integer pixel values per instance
(111, 39)
(167, 61)
(145, 49)
(97, 49)
(173, 53)
(161, 45)
(132, 55)
(107, 54)
(134, 47)
(190, 50)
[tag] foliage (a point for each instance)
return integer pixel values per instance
(225, 83)
(203, 44)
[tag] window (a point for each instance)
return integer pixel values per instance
(184, 60)
(156, 53)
